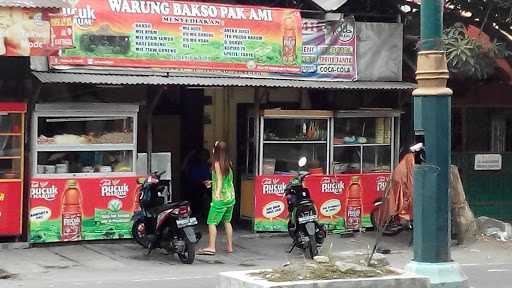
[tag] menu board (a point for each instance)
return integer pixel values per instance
(184, 35)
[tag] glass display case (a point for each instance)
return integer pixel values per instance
(291, 134)
(84, 140)
(364, 141)
(11, 145)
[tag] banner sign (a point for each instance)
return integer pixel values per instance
(10, 208)
(82, 208)
(337, 204)
(184, 35)
(34, 31)
(329, 49)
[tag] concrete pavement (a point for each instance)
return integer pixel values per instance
(123, 264)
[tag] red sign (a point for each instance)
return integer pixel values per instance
(184, 35)
(30, 31)
(81, 209)
(10, 208)
(343, 202)
(270, 208)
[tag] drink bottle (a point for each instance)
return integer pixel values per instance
(354, 205)
(289, 39)
(71, 213)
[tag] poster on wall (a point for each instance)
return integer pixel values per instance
(34, 31)
(183, 35)
(343, 202)
(81, 209)
(329, 49)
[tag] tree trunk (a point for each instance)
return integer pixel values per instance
(464, 224)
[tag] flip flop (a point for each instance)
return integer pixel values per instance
(205, 252)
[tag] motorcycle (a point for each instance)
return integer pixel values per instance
(164, 225)
(303, 226)
(391, 213)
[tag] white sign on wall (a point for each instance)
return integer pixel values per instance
(488, 162)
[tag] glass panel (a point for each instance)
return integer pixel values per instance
(10, 123)
(377, 159)
(362, 131)
(85, 130)
(10, 146)
(84, 162)
(347, 159)
(283, 158)
(295, 129)
(10, 168)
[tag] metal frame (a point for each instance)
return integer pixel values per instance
(294, 114)
(85, 110)
(394, 115)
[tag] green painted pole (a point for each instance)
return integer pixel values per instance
(432, 118)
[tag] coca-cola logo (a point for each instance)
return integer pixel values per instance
(42, 190)
(273, 186)
(113, 188)
(330, 185)
(382, 183)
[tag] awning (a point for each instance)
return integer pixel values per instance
(193, 80)
(35, 3)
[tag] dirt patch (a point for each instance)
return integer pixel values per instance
(6, 275)
(57, 266)
(325, 271)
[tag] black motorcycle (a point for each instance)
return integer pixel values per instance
(164, 225)
(303, 226)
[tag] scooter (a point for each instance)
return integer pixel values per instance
(164, 225)
(303, 226)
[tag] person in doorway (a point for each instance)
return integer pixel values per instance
(199, 172)
(223, 199)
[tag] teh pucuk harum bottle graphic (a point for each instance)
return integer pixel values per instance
(289, 39)
(354, 204)
(71, 213)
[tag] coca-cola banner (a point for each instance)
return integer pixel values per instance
(82, 208)
(329, 49)
(344, 202)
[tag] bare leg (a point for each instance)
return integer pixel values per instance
(229, 236)
(212, 235)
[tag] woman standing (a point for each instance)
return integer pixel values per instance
(223, 198)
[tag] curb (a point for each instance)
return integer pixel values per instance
(264, 235)
(14, 245)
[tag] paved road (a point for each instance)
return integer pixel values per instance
(123, 264)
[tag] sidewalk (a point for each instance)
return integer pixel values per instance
(109, 264)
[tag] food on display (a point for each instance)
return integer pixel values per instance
(70, 139)
(115, 138)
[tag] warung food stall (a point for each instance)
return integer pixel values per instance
(83, 182)
(350, 158)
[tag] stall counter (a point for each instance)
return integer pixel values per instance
(339, 208)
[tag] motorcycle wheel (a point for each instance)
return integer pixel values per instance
(139, 232)
(311, 249)
(188, 256)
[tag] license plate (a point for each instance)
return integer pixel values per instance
(306, 219)
(186, 222)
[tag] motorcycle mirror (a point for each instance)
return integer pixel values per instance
(416, 148)
(303, 161)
